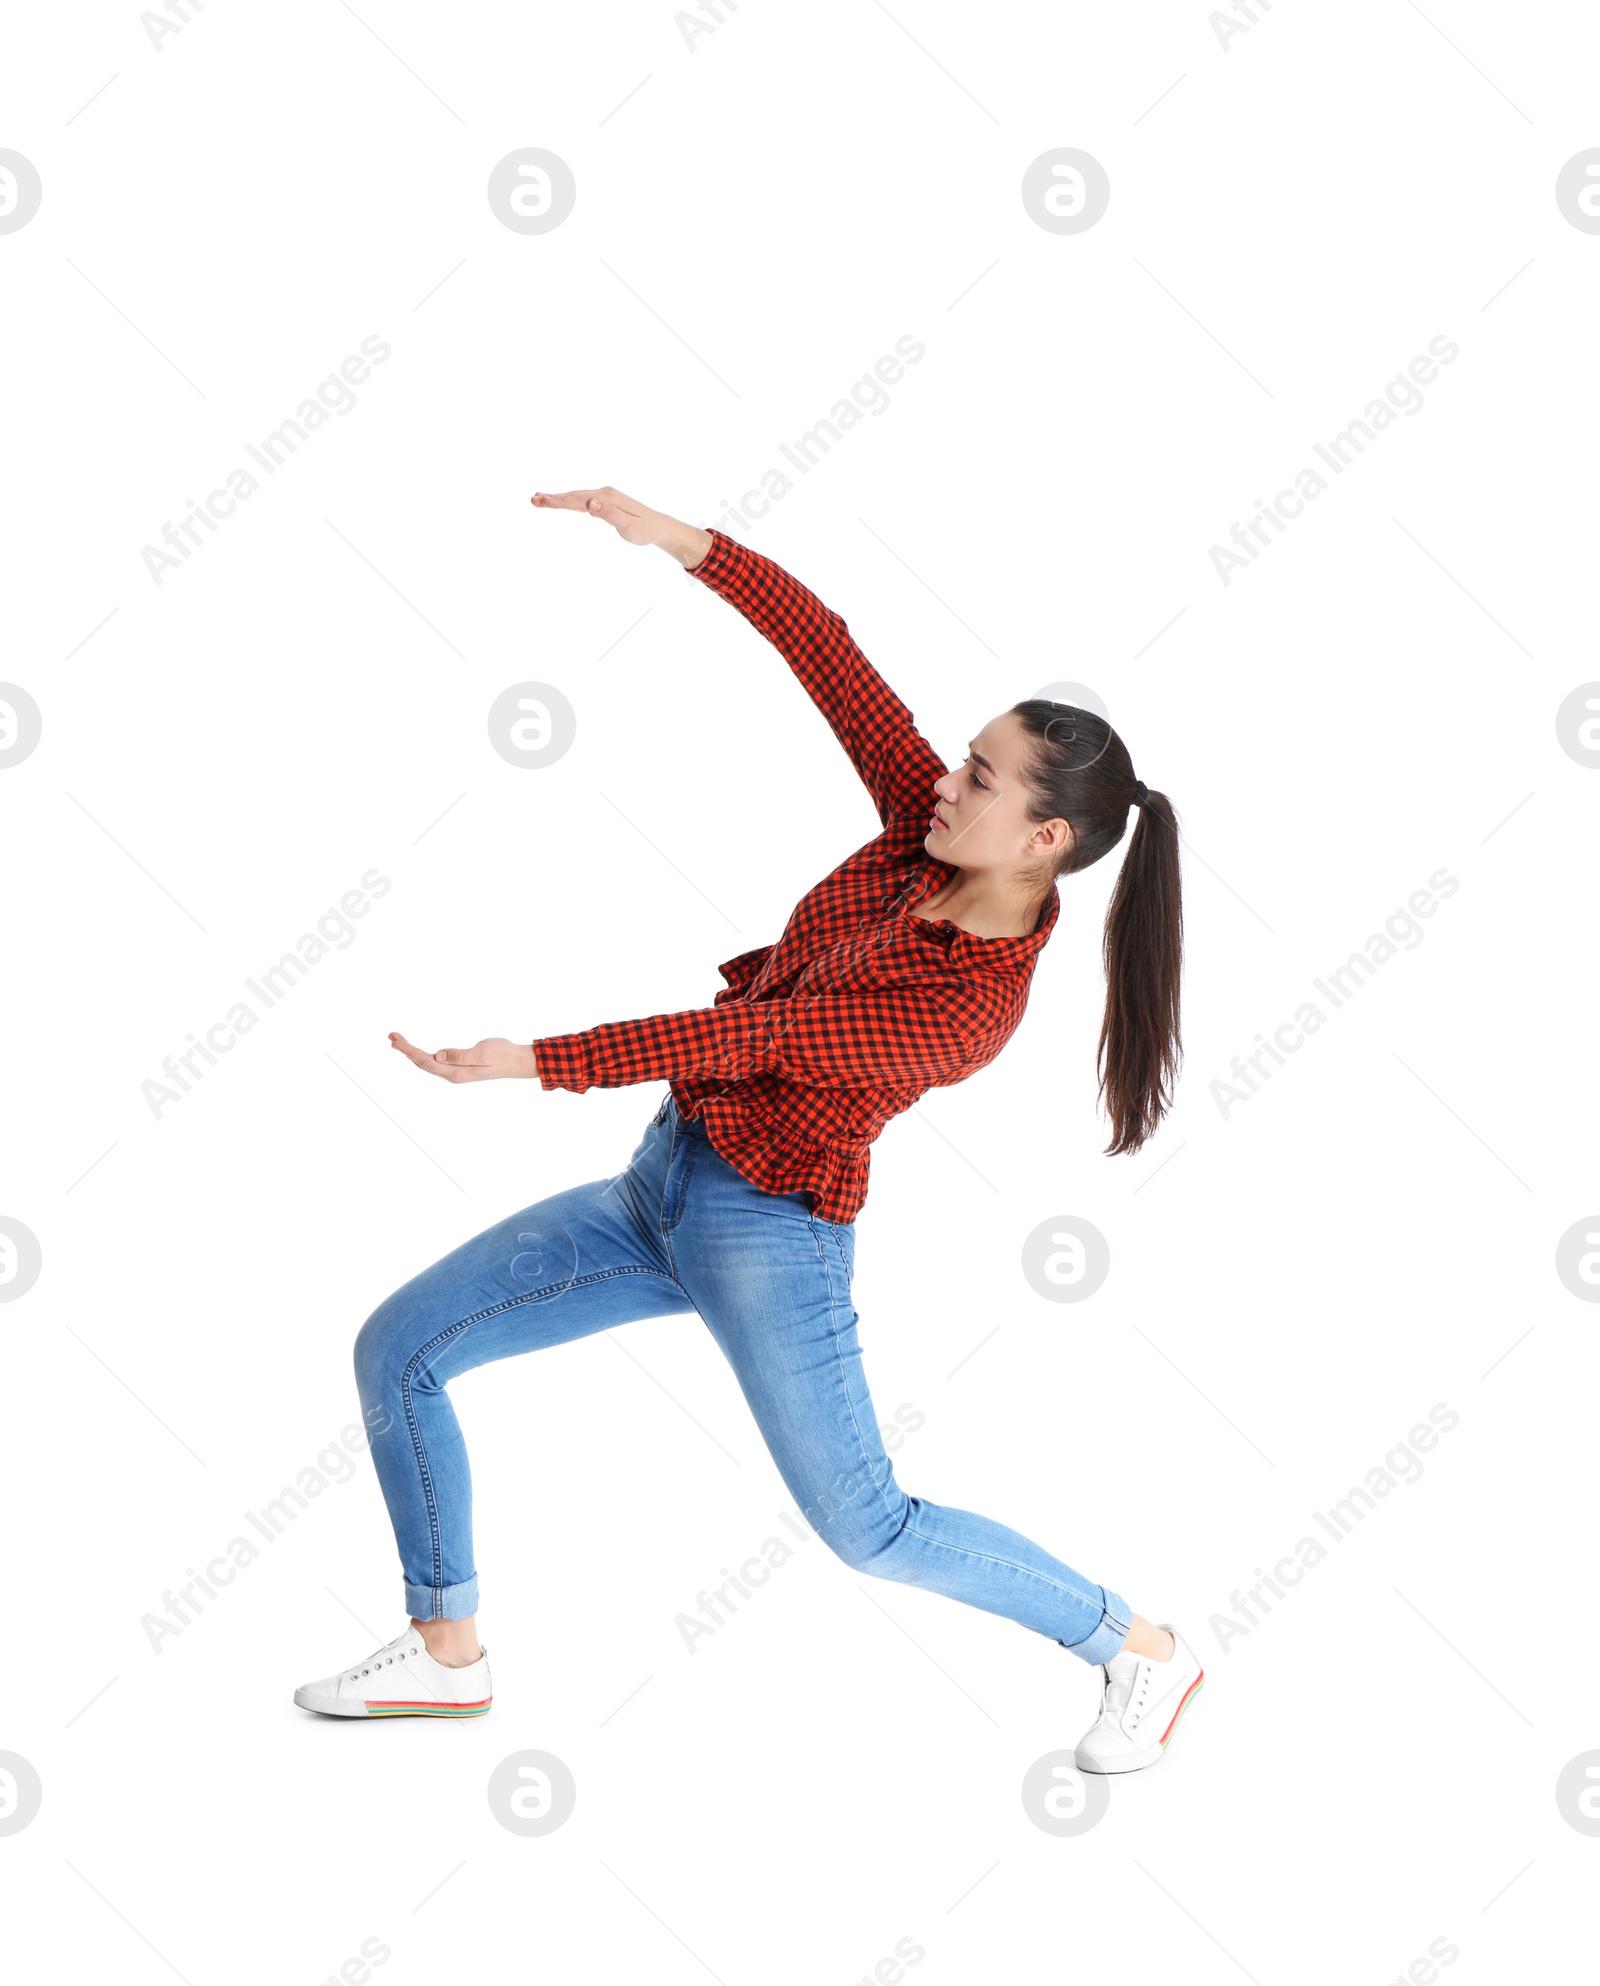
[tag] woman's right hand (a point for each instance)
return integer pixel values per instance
(494, 1057)
(633, 521)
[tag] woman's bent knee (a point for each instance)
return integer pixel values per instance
(381, 1348)
(860, 1527)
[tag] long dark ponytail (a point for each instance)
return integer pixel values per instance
(1079, 771)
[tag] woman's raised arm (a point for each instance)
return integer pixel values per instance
(896, 763)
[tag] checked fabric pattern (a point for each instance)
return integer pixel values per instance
(817, 1041)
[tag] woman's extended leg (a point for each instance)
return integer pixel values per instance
(572, 1264)
(773, 1284)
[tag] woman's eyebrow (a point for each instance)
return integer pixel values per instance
(981, 759)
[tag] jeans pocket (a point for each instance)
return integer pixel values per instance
(842, 1234)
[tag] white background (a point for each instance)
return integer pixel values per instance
(1293, 1285)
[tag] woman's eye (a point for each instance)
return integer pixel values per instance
(976, 780)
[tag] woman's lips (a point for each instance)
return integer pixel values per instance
(938, 819)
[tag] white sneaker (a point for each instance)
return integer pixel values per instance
(402, 1680)
(1140, 1703)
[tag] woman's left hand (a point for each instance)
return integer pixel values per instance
(472, 1065)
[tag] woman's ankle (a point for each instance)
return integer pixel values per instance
(452, 1644)
(1155, 1644)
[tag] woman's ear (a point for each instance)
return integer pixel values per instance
(1054, 839)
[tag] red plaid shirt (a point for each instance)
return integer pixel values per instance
(817, 1041)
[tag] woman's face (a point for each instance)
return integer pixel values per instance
(981, 819)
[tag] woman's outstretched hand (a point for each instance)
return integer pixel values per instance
(634, 521)
(472, 1065)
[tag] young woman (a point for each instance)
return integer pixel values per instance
(908, 967)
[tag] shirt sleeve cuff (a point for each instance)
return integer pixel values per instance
(563, 1062)
(715, 564)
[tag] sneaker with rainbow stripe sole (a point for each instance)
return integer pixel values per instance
(402, 1680)
(1140, 1704)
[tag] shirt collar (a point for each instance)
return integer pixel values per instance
(930, 874)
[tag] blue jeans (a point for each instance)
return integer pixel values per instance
(682, 1230)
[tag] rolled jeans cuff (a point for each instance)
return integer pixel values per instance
(1115, 1619)
(442, 1603)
